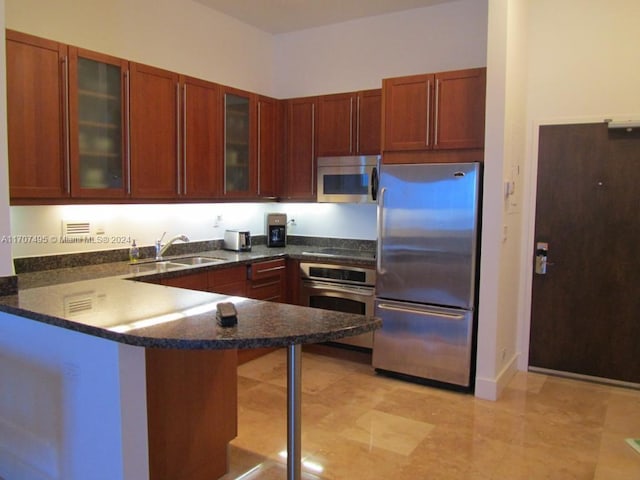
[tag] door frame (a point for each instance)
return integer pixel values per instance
(529, 198)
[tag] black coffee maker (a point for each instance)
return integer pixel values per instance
(276, 229)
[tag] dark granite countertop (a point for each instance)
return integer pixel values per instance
(144, 271)
(102, 300)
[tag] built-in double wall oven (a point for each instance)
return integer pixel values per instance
(340, 288)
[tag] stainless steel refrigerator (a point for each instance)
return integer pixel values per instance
(428, 242)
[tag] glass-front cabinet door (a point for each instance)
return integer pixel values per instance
(98, 134)
(240, 179)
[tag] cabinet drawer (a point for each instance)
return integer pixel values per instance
(270, 290)
(193, 281)
(227, 275)
(270, 268)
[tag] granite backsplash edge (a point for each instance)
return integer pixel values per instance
(52, 262)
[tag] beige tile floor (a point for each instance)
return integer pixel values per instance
(359, 425)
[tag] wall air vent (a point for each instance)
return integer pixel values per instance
(75, 228)
(79, 303)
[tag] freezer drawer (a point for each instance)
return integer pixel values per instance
(424, 341)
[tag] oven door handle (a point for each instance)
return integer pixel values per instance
(332, 287)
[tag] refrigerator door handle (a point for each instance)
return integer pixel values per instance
(379, 219)
(431, 313)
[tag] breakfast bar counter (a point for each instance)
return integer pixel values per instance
(170, 363)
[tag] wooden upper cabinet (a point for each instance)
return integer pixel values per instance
(200, 172)
(98, 121)
(269, 148)
(336, 124)
(460, 109)
(155, 152)
(349, 123)
(435, 111)
(368, 122)
(37, 117)
(300, 175)
(239, 143)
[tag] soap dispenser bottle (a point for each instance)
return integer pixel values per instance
(134, 252)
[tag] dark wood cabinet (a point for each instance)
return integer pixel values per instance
(191, 411)
(191, 281)
(269, 148)
(98, 124)
(155, 154)
(349, 123)
(37, 117)
(240, 179)
(200, 161)
(267, 280)
(229, 281)
(368, 122)
(300, 130)
(441, 111)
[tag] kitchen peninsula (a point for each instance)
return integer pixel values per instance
(140, 382)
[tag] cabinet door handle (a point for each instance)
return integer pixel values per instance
(358, 124)
(184, 139)
(127, 99)
(313, 145)
(178, 137)
(351, 125)
(428, 112)
(67, 146)
(272, 269)
(265, 284)
(435, 120)
(259, 143)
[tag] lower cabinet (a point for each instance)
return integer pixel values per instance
(267, 280)
(192, 405)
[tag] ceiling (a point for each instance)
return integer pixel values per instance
(281, 16)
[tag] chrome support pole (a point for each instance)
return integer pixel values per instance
(294, 451)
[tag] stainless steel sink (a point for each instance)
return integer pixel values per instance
(159, 266)
(196, 260)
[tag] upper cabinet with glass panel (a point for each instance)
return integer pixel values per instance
(240, 179)
(98, 130)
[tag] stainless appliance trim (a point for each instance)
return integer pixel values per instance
(348, 166)
(320, 280)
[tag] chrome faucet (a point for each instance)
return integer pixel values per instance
(161, 249)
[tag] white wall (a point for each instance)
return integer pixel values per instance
(583, 66)
(504, 148)
(72, 406)
(358, 54)
(146, 223)
(6, 265)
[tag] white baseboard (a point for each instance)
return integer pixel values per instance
(491, 388)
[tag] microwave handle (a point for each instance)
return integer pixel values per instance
(374, 184)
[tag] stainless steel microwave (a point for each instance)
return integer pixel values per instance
(348, 179)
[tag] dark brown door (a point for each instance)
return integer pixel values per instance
(586, 309)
